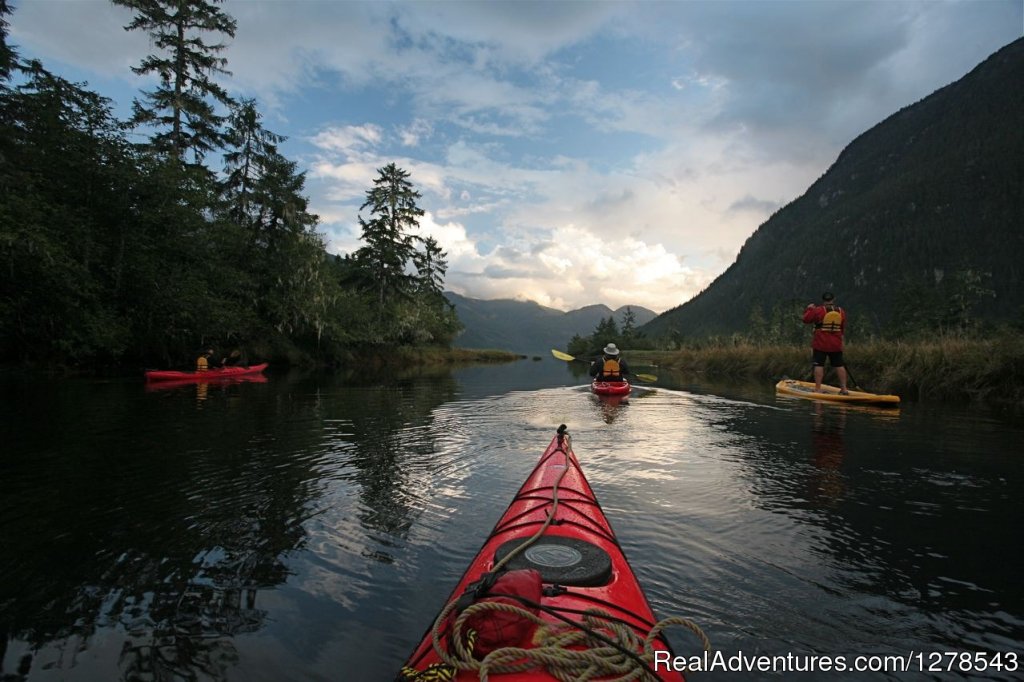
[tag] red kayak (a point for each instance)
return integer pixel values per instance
(213, 374)
(168, 385)
(610, 387)
(574, 563)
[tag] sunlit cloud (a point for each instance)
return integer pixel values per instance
(569, 153)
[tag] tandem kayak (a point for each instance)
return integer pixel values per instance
(610, 387)
(805, 389)
(556, 570)
(213, 374)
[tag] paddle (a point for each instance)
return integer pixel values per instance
(852, 380)
(568, 358)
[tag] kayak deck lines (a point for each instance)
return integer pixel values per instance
(549, 595)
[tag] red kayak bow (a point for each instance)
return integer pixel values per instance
(551, 566)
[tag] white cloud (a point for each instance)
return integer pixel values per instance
(348, 139)
(57, 30)
(412, 134)
(570, 152)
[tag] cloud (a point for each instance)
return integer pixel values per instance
(348, 140)
(570, 152)
(55, 30)
(414, 132)
(749, 203)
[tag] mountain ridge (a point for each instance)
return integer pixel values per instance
(929, 193)
(528, 326)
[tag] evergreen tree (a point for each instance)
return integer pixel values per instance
(431, 265)
(966, 289)
(179, 108)
(280, 207)
(8, 57)
(252, 152)
(579, 346)
(62, 168)
(759, 329)
(389, 245)
(628, 323)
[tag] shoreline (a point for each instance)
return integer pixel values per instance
(944, 370)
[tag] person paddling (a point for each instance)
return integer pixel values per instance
(203, 361)
(609, 367)
(829, 322)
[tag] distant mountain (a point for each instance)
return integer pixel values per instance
(930, 193)
(528, 327)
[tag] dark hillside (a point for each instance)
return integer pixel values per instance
(931, 193)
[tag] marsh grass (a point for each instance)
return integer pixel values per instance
(437, 356)
(947, 368)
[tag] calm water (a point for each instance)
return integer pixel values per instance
(309, 528)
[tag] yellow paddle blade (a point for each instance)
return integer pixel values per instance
(646, 377)
(562, 356)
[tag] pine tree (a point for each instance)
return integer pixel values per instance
(389, 244)
(252, 152)
(179, 108)
(431, 265)
(8, 57)
(628, 323)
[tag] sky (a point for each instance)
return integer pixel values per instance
(569, 153)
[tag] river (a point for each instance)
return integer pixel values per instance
(310, 527)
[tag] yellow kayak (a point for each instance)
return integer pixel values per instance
(805, 389)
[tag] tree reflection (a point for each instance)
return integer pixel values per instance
(163, 538)
(144, 530)
(387, 425)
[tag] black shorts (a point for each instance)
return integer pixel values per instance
(835, 358)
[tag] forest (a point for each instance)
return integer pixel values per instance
(128, 243)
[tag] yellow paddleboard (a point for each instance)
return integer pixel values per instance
(805, 389)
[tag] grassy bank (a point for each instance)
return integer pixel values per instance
(432, 356)
(953, 369)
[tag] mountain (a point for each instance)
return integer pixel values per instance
(526, 326)
(923, 205)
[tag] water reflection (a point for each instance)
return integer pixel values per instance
(164, 525)
(201, 388)
(310, 527)
(829, 451)
(611, 406)
(390, 432)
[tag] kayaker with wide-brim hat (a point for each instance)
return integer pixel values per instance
(610, 366)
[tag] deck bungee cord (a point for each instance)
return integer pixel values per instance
(494, 625)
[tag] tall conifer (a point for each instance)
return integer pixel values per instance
(389, 244)
(180, 108)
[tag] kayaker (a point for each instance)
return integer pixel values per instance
(829, 322)
(609, 367)
(203, 361)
